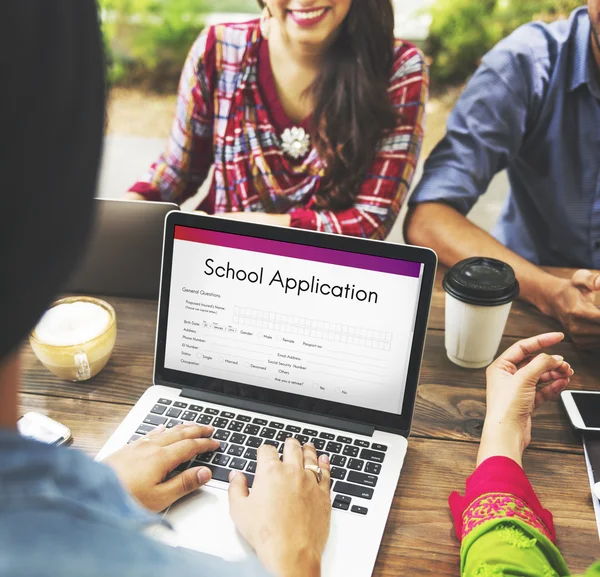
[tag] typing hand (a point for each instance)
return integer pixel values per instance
(571, 301)
(143, 465)
(512, 394)
(286, 517)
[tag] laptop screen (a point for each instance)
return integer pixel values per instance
(317, 322)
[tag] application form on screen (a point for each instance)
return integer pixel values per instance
(312, 321)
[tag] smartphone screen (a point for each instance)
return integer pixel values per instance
(589, 408)
(41, 428)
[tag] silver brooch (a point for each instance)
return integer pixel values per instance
(295, 142)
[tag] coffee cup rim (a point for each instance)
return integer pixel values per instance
(72, 299)
(476, 294)
(481, 302)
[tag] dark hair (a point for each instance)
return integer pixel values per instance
(53, 126)
(352, 107)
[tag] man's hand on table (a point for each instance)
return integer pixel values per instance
(286, 517)
(143, 465)
(571, 301)
(518, 381)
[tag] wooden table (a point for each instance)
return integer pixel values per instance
(448, 419)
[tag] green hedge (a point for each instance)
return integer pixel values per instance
(462, 31)
(147, 40)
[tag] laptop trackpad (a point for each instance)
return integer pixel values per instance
(201, 521)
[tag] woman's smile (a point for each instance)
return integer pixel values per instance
(308, 16)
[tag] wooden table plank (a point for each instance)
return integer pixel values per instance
(419, 531)
(451, 400)
(450, 406)
(91, 423)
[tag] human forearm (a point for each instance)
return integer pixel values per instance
(499, 439)
(455, 238)
(258, 217)
(361, 223)
(134, 196)
(293, 564)
(499, 490)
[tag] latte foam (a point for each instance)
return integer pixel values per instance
(72, 324)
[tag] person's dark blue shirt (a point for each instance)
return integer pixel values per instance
(532, 107)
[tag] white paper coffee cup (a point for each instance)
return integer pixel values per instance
(479, 296)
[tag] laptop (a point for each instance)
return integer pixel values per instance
(124, 254)
(266, 332)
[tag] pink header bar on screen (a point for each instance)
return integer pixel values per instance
(288, 249)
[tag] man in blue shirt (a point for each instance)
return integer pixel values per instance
(62, 514)
(533, 108)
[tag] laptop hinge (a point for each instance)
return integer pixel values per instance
(278, 411)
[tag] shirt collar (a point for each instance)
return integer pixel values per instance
(581, 66)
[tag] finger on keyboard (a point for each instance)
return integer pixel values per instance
(157, 431)
(292, 453)
(325, 466)
(182, 432)
(310, 456)
(267, 456)
(187, 449)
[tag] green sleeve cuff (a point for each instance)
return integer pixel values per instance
(593, 571)
(502, 547)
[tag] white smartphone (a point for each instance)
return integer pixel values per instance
(44, 429)
(583, 408)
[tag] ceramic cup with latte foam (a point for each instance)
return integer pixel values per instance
(75, 337)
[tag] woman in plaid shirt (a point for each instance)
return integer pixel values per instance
(312, 118)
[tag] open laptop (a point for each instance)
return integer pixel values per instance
(124, 253)
(267, 332)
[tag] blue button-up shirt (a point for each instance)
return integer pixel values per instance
(62, 514)
(532, 107)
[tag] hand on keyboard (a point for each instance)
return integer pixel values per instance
(143, 465)
(286, 517)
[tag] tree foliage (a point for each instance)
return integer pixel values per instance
(149, 39)
(462, 31)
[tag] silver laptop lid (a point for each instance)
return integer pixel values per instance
(316, 322)
(124, 254)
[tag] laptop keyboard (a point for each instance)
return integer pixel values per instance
(355, 463)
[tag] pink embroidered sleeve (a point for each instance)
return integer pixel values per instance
(497, 489)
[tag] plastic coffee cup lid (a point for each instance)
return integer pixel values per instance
(482, 281)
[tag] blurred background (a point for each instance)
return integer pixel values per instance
(147, 42)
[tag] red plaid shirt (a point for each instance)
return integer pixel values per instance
(228, 115)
